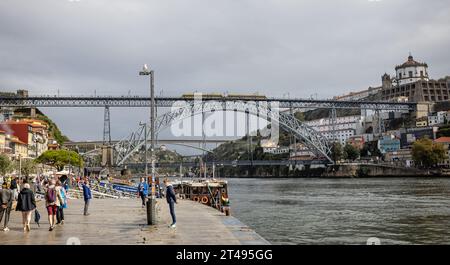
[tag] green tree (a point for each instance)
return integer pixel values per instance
(5, 164)
(350, 152)
(26, 167)
(336, 151)
(60, 158)
(427, 154)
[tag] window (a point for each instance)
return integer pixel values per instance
(421, 73)
(410, 74)
(400, 75)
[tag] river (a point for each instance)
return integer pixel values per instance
(344, 211)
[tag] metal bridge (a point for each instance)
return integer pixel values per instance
(126, 101)
(269, 107)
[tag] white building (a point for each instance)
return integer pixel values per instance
(411, 71)
(344, 127)
(437, 118)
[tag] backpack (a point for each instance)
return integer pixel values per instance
(51, 195)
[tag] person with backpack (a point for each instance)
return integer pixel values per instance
(26, 203)
(63, 203)
(87, 196)
(143, 191)
(6, 199)
(52, 202)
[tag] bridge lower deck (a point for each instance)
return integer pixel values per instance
(123, 221)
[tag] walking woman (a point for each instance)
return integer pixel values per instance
(62, 203)
(26, 203)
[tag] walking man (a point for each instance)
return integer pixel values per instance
(87, 196)
(6, 199)
(171, 200)
(143, 191)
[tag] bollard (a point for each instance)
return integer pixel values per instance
(151, 211)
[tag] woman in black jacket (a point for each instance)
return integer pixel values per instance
(26, 203)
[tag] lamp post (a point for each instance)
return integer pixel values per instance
(151, 211)
(146, 147)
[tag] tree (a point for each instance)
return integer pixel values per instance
(350, 152)
(5, 164)
(427, 154)
(336, 151)
(60, 158)
(26, 167)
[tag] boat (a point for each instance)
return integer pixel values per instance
(211, 192)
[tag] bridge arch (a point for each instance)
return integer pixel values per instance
(314, 140)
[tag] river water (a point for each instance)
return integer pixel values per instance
(344, 211)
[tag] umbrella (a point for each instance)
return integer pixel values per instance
(37, 217)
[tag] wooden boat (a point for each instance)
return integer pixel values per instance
(210, 192)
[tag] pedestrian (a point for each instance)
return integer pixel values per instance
(52, 202)
(6, 200)
(87, 196)
(171, 200)
(14, 187)
(62, 204)
(26, 203)
(143, 191)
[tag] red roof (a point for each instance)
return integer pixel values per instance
(442, 140)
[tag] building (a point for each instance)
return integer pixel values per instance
(2, 142)
(422, 122)
(300, 152)
(33, 133)
(404, 156)
(410, 135)
(356, 141)
(388, 144)
(342, 129)
(437, 118)
(446, 142)
(412, 81)
(18, 148)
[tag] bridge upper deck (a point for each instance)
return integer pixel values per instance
(111, 101)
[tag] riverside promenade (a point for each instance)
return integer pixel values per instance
(123, 221)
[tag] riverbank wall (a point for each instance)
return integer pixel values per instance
(347, 170)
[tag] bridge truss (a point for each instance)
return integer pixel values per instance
(167, 102)
(315, 141)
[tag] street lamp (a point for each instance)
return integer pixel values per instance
(151, 212)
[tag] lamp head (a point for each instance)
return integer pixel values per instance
(145, 70)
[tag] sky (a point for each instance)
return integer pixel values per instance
(280, 48)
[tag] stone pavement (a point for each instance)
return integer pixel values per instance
(123, 221)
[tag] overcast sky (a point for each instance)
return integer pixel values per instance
(273, 47)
